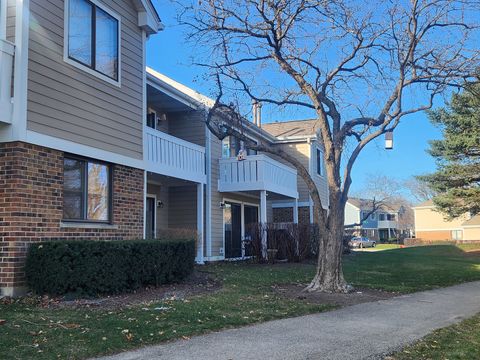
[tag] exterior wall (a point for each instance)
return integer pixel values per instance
(31, 207)
(216, 199)
(426, 219)
(439, 235)
(189, 126)
(68, 103)
(471, 233)
(162, 195)
(182, 210)
(320, 180)
(163, 125)
(11, 21)
(352, 214)
(280, 215)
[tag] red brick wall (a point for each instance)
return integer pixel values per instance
(31, 206)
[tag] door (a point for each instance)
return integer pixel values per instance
(251, 221)
(232, 216)
(150, 221)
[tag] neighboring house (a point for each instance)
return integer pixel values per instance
(431, 225)
(93, 145)
(390, 220)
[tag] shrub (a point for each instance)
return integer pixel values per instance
(293, 242)
(107, 267)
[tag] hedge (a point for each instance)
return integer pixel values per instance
(107, 267)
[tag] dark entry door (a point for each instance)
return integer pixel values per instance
(251, 222)
(232, 215)
(150, 224)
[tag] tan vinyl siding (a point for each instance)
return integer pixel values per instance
(301, 151)
(471, 233)
(67, 102)
(188, 126)
(11, 21)
(182, 207)
(217, 198)
(426, 219)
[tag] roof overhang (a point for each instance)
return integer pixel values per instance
(148, 18)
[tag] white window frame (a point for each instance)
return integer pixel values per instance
(319, 151)
(80, 66)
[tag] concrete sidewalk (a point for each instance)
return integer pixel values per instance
(364, 331)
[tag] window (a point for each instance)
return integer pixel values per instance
(319, 162)
(457, 234)
(231, 147)
(93, 37)
(391, 217)
(381, 217)
(86, 190)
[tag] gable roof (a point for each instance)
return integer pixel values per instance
(294, 128)
(474, 221)
(361, 204)
(428, 203)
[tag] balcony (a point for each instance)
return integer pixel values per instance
(174, 157)
(7, 50)
(385, 224)
(257, 172)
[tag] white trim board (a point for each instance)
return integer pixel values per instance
(279, 205)
(83, 150)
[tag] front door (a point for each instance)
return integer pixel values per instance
(150, 221)
(232, 215)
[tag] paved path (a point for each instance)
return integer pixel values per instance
(364, 331)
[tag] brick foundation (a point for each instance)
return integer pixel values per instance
(31, 207)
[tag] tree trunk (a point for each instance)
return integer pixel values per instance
(329, 275)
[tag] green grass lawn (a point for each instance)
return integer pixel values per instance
(456, 342)
(380, 247)
(247, 297)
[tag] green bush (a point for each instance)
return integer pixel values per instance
(107, 267)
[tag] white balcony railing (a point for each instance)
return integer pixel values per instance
(385, 224)
(174, 157)
(7, 50)
(257, 172)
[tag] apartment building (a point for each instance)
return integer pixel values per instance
(432, 225)
(390, 220)
(94, 145)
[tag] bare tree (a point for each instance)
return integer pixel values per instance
(359, 67)
(419, 189)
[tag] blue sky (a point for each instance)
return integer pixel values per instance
(170, 53)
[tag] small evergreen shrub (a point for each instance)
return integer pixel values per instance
(107, 267)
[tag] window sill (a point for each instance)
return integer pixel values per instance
(86, 225)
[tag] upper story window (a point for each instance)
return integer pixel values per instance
(391, 217)
(93, 38)
(87, 194)
(319, 162)
(381, 217)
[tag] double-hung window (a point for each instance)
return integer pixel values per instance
(87, 191)
(93, 38)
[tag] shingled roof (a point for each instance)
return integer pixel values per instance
(367, 204)
(292, 128)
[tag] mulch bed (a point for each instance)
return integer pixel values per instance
(357, 296)
(200, 282)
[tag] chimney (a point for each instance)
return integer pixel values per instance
(257, 113)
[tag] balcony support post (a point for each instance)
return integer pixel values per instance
(200, 222)
(263, 221)
(295, 211)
